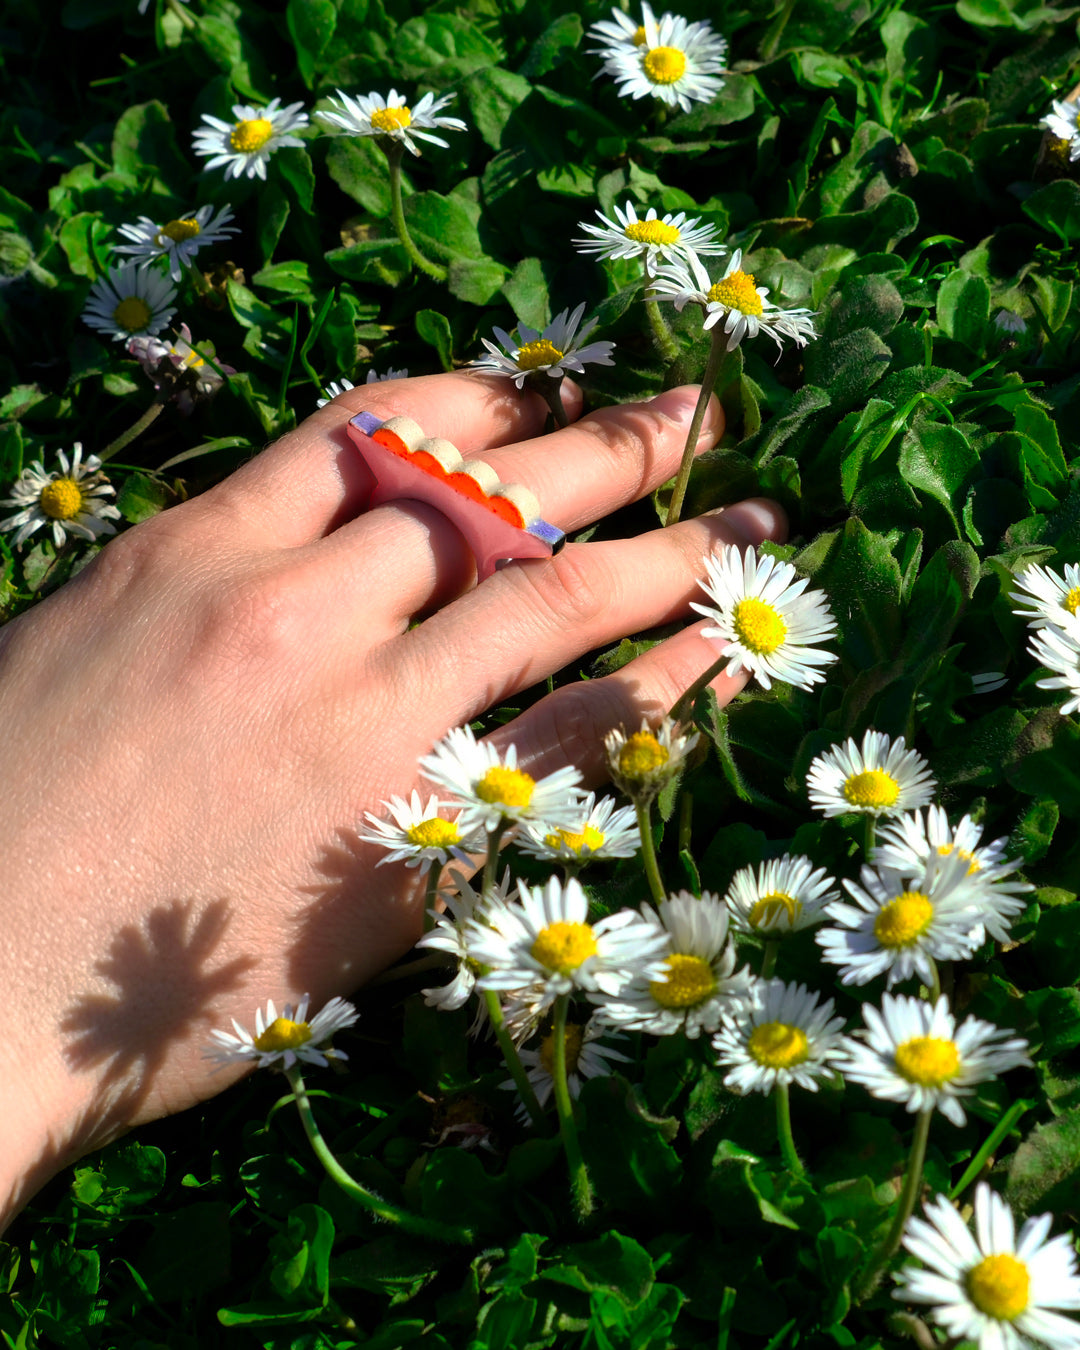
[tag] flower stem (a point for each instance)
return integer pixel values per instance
(648, 852)
(431, 894)
(580, 1186)
(912, 1181)
(717, 351)
(491, 866)
(683, 706)
(869, 835)
(513, 1059)
(669, 348)
(783, 1128)
(935, 983)
(394, 152)
(374, 1204)
(768, 957)
(136, 429)
(550, 390)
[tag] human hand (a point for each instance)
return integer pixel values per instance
(193, 727)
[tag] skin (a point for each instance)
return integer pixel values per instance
(193, 727)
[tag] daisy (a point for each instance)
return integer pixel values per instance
(1064, 123)
(649, 239)
(546, 943)
(1008, 322)
(245, 145)
(390, 118)
(418, 835)
(494, 791)
(68, 499)
(880, 777)
(193, 376)
(334, 388)
(373, 376)
(992, 1288)
(780, 1035)
(678, 62)
(899, 926)
(782, 896)
(641, 763)
(913, 1052)
(618, 34)
(697, 981)
(1059, 651)
(601, 830)
(586, 1057)
(764, 618)
(130, 300)
(280, 1041)
(743, 306)
(450, 935)
(554, 351)
(177, 241)
(1046, 599)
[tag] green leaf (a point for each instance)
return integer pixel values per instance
(434, 328)
(615, 1264)
(189, 1252)
(86, 239)
(1054, 771)
(862, 579)
(141, 497)
(311, 26)
(273, 213)
(144, 140)
(1056, 945)
(1056, 208)
(631, 1163)
(443, 227)
(939, 460)
(849, 366)
(493, 95)
(358, 167)
(963, 308)
(553, 46)
(300, 1257)
(1044, 1173)
(475, 280)
(527, 290)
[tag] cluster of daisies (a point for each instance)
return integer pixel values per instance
(1049, 602)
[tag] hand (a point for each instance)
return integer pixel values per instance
(192, 728)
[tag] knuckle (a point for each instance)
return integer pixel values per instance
(253, 621)
(570, 588)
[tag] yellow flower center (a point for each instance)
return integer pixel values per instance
(433, 833)
(690, 981)
(62, 499)
(251, 134)
(773, 908)
(651, 232)
(664, 65)
(736, 291)
(590, 838)
(562, 946)
(872, 787)
(641, 756)
(778, 1045)
(179, 230)
(131, 314)
(575, 1038)
(927, 1060)
(639, 39)
(1072, 600)
(904, 920)
(282, 1034)
(389, 120)
(758, 625)
(999, 1286)
(973, 863)
(506, 787)
(536, 354)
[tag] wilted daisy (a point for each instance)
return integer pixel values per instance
(130, 300)
(602, 830)
(280, 1041)
(880, 777)
(913, 1052)
(992, 1288)
(778, 1035)
(390, 117)
(69, 500)
(554, 351)
(463, 907)
(1046, 599)
(642, 762)
(1064, 123)
(493, 791)
(418, 835)
(587, 1056)
(545, 942)
(736, 299)
(1059, 651)
(666, 237)
(766, 617)
(677, 61)
(697, 981)
(781, 896)
(245, 145)
(192, 376)
(177, 241)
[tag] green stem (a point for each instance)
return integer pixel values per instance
(550, 390)
(181, 13)
(513, 1059)
(683, 706)
(431, 894)
(648, 852)
(136, 429)
(491, 865)
(869, 835)
(717, 351)
(935, 981)
(872, 1275)
(669, 348)
(776, 31)
(374, 1204)
(989, 1148)
(768, 958)
(783, 1130)
(394, 152)
(580, 1186)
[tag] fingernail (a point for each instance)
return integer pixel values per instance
(679, 405)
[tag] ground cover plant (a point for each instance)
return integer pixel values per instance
(887, 191)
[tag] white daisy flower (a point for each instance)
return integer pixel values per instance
(650, 238)
(554, 351)
(602, 830)
(641, 763)
(1059, 650)
(988, 682)
(177, 241)
(697, 982)
(780, 1035)
(450, 935)
(1008, 322)
(130, 300)
(617, 35)
(1064, 123)
(907, 843)
(334, 388)
(546, 944)
(913, 1052)
(494, 792)
(373, 376)
(992, 1288)
(783, 895)
(743, 306)
(766, 617)
(390, 117)
(68, 500)
(587, 1056)
(880, 777)
(245, 145)
(418, 835)
(1046, 599)
(899, 926)
(192, 376)
(280, 1041)
(678, 62)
